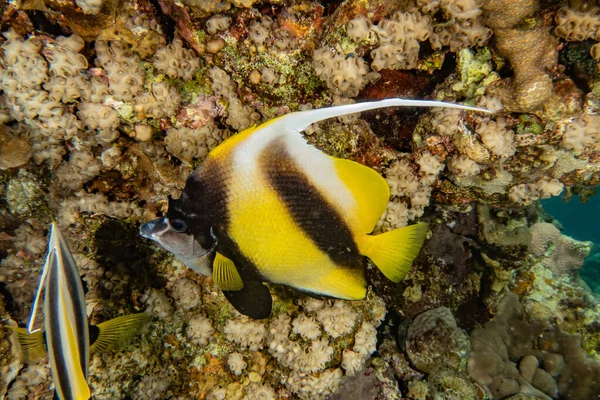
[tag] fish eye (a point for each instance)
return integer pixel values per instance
(178, 225)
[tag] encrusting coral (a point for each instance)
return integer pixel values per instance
(532, 53)
(106, 107)
(565, 253)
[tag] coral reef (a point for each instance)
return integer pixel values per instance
(513, 356)
(106, 107)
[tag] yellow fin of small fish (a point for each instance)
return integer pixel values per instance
(116, 332)
(32, 345)
(394, 252)
(368, 188)
(225, 274)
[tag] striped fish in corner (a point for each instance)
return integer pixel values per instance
(65, 321)
(66, 339)
(278, 210)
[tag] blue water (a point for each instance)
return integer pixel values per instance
(581, 221)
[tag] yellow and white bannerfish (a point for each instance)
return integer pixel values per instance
(278, 210)
(68, 338)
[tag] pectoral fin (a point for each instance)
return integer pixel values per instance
(114, 333)
(33, 345)
(253, 300)
(225, 274)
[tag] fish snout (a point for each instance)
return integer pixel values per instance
(150, 229)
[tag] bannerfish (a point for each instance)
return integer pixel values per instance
(266, 206)
(68, 338)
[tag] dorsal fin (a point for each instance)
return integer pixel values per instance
(370, 191)
(225, 274)
(300, 120)
(232, 141)
(116, 332)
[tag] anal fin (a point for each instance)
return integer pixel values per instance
(225, 274)
(253, 300)
(116, 332)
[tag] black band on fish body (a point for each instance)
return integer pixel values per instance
(312, 213)
(94, 333)
(203, 206)
(194, 210)
(201, 252)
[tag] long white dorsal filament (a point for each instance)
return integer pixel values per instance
(299, 121)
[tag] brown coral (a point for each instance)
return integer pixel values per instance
(14, 151)
(531, 54)
(502, 14)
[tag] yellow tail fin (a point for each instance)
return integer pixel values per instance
(394, 252)
(118, 331)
